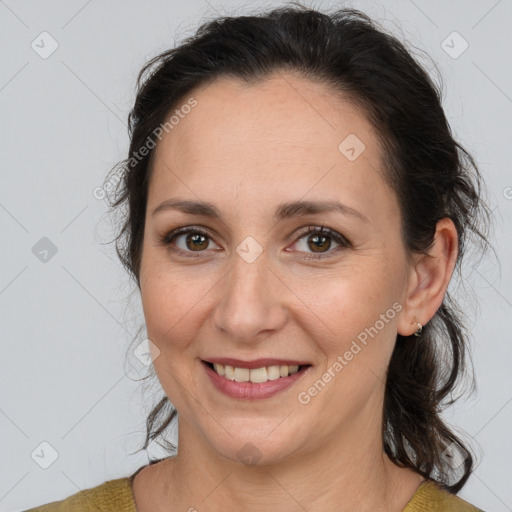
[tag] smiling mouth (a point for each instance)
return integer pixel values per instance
(255, 375)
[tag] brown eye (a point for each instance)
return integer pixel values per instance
(188, 240)
(196, 242)
(320, 241)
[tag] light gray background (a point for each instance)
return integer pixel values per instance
(67, 323)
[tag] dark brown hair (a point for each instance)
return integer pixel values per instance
(432, 175)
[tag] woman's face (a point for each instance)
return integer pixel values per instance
(248, 170)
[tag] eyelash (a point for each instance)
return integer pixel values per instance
(339, 239)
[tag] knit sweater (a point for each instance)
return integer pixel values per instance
(117, 496)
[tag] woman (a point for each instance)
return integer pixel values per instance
(296, 208)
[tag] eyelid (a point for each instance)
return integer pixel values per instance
(322, 230)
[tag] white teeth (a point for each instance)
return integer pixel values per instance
(256, 375)
(219, 369)
(229, 372)
(242, 374)
(259, 375)
(273, 372)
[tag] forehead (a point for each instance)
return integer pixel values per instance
(280, 135)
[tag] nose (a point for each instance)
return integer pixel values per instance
(251, 304)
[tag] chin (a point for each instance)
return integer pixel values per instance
(264, 447)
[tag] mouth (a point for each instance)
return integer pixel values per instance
(255, 379)
(254, 375)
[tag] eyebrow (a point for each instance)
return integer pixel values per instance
(283, 211)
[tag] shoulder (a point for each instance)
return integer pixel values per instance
(112, 495)
(430, 497)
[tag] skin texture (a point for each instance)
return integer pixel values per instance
(247, 149)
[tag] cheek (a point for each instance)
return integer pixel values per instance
(168, 300)
(176, 301)
(357, 319)
(172, 304)
(361, 312)
(346, 306)
(167, 311)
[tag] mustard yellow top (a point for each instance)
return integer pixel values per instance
(117, 496)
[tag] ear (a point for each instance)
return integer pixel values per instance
(429, 278)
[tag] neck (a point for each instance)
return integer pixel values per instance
(344, 473)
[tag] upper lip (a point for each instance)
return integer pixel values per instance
(257, 363)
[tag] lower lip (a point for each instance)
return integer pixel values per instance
(252, 390)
